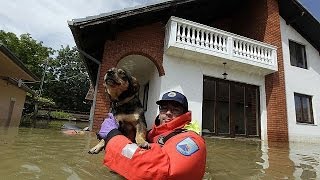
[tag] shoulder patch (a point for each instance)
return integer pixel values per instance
(187, 147)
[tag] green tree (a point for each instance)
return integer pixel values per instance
(67, 80)
(32, 53)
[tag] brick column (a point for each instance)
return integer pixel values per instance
(275, 83)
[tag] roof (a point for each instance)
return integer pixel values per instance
(118, 14)
(91, 33)
(12, 67)
(297, 16)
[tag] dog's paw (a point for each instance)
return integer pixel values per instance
(96, 149)
(144, 145)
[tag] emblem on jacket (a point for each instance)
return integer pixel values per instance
(187, 147)
(160, 140)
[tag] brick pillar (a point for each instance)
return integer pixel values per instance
(275, 83)
(147, 41)
(260, 20)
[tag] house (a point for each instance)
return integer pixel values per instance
(238, 63)
(12, 89)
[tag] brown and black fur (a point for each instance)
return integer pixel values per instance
(122, 89)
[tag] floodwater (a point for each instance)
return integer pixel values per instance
(31, 153)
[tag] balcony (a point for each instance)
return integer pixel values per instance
(190, 40)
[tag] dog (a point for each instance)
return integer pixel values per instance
(122, 89)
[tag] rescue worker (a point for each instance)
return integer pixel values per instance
(177, 151)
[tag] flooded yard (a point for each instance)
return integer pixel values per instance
(31, 153)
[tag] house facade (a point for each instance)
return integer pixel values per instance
(302, 81)
(229, 58)
(12, 90)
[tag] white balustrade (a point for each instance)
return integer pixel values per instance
(252, 51)
(197, 36)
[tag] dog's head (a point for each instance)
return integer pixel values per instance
(120, 84)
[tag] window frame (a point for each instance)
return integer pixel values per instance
(145, 97)
(293, 47)
(310, 108)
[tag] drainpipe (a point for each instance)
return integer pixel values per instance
(93, 106)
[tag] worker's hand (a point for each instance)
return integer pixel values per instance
(108, 125)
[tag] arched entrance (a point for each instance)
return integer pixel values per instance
(147, 74)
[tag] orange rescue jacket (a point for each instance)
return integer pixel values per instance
(183, 156)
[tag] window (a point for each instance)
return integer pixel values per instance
(297, 55)
(230, 108)
(303, 108)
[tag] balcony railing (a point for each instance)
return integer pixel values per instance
(184, 35)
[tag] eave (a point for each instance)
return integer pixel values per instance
(13, 66)
(301, 20)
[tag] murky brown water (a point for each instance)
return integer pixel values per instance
(27, 153)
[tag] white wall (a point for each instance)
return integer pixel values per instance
(154, 91)
(186, 76)
(304, 81)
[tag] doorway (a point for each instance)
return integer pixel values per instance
(230, 108)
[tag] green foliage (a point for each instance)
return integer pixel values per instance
(45, 102)
(66, 81)
(60, 115)
(31, 52)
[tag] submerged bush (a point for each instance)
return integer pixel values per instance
(60, 115)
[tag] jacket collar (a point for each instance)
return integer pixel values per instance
(176, 123)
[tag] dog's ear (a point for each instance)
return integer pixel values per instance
(135, 84)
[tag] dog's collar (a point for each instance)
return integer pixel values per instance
(119, 103)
